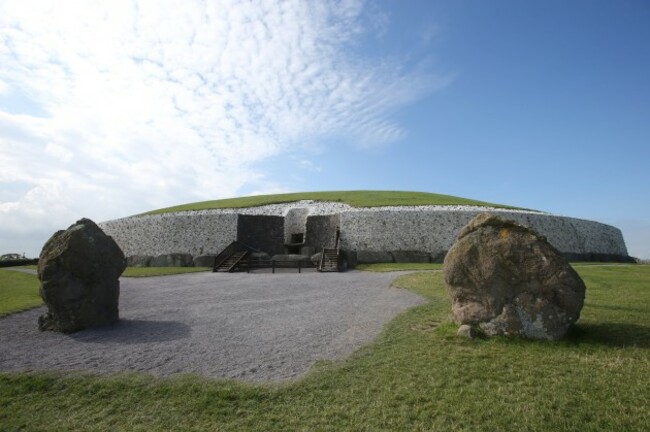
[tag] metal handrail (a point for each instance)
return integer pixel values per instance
(249, 247)
(224, 255)
(229, 251)
(322, 260)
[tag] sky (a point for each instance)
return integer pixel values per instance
(109, 109)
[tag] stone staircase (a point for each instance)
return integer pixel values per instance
(330, 258)
(329, 261)
(230, 259)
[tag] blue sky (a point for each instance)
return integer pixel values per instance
(122, 107)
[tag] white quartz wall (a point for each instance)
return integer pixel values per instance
(429, 229)
(434, 231)
(295, 221)
(195, 233)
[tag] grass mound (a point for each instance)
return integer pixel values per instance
(353, 198)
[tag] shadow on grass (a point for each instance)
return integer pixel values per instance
(619, 308)
(134, 331)
(610, 334)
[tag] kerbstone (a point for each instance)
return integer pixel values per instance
(79, 270)
(508, 280)
(173, 260)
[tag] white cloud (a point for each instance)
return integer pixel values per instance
(148, 104)
(58, 151)
(308, 165)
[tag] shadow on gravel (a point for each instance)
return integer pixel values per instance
(135, 331)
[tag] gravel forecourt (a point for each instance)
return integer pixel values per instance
(255, 327)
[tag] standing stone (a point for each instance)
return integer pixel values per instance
(79, 270)
(204, 260)
(506, 279)
(139, 261)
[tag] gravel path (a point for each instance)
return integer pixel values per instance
(256, 327)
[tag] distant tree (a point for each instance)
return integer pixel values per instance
(12, 257)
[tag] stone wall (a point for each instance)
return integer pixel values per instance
(295, 222)
(390, 234)
(265, 233)
(321, 231)
(195, 233)
(384, 235)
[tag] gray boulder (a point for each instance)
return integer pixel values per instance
(204, 260)
(369, 257)
(259, 256)
(411, 257)
(465, 331)
(291, 257)
(139, 261)
(506, 279)
(173, 260)
(315, 258)
(79, 270)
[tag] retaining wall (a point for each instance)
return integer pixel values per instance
(422, 233)
(187, 232)
(385, 235)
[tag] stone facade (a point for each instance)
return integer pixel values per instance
(262, 232)
(195, 233)
(392, 231)
(384, 234)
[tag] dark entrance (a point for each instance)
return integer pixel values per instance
(297, 242)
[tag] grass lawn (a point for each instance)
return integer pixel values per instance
(161, 271)
(391, 267)
(353, 198)
(18, 292)
(416, 376)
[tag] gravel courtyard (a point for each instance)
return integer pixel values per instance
(256, 327)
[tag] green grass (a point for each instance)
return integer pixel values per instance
(29, 267)
(391, 267)
(416, 376)
(353, 198)
(161, 271)
(18, 292)
(394, 267)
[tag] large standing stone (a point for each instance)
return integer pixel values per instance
(508, 280)
(79, 269)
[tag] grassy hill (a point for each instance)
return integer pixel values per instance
(353, 198)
